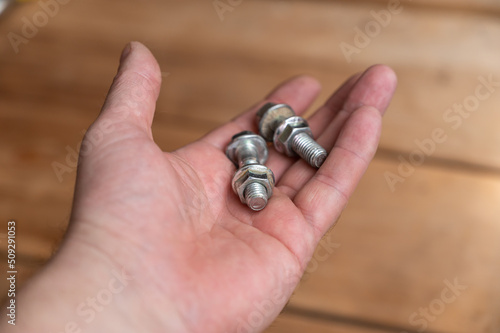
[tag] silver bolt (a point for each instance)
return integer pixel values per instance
(253, 182)
(290, 134)
(256, 196)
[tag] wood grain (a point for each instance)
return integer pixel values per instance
(235, 74)
(287, 323)
(398, 251)
(396, 248)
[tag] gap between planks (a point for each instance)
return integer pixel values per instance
(351, 321)
(438, 162)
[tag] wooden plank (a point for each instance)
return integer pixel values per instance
(395, 251)
(398, 253)
(287, 323)
(240, 64)
(435, 72)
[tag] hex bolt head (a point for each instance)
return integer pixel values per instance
(290, 134)
(285, 133)
(253, 182)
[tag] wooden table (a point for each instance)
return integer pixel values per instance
(418, 246)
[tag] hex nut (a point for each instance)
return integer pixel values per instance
(283, 137)
(270, 116)
(253, 174)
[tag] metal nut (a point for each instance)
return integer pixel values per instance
(252, 174)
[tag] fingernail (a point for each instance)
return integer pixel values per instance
(126, 52)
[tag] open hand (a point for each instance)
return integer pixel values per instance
(193, 258)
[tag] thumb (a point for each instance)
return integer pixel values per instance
(131, 100)
(127, 113)
(123, 126)
(130, 105)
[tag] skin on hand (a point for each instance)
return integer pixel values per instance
(158, 242)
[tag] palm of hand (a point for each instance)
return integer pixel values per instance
(172, 218)
(181, 215)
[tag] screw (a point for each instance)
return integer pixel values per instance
(290, 134)
(253, 182)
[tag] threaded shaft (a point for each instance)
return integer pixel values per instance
(256, 196)
(309, 150)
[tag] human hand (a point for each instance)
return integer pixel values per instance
(194, 257)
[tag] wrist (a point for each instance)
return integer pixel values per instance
(80, 290)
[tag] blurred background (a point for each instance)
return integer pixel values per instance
(418, 247)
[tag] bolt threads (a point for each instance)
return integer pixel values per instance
(309, 150)
(256, 196)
